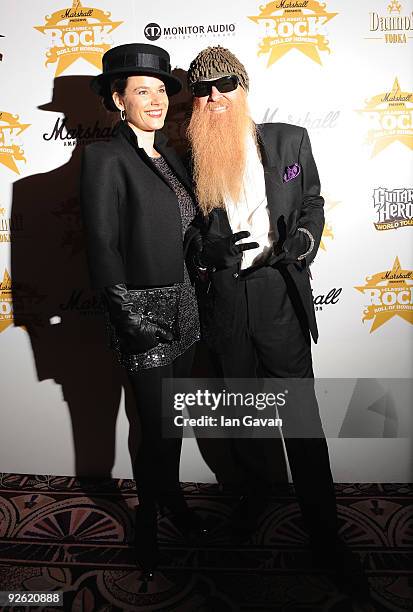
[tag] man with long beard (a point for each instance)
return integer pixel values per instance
(260, 224)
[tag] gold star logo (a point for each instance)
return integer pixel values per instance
(391, 294)
(77, 32)
(10, 153)
(6, 302)
(292, 24)
(390, 115)
(328, 233)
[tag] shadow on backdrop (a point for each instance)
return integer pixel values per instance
(51, 294)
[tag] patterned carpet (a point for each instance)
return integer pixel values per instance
(61, 533)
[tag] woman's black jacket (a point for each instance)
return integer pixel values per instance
(130, 213)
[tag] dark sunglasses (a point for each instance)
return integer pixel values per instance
(224, 85)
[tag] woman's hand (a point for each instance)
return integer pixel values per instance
(136, 333)
(141, 334)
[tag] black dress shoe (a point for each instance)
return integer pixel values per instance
(146, 542)
(172, 504)
(187, 521)
(245, 517)
(343, 568)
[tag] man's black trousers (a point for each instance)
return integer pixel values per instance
(270, 339)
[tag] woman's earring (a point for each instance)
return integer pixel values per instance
(123, 114)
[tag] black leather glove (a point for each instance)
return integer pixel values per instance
(136, 333)
(192, 252)
(288, 249)
(222, 252)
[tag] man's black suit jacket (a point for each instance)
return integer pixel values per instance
(298, 200)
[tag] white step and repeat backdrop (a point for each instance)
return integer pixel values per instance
(343, 69)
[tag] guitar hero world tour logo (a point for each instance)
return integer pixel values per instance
(77, 32)
(290, 24)
(390, 294)
(154, 31)
(390, 118)
(393, 208)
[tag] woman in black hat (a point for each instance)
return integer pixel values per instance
(137, 203)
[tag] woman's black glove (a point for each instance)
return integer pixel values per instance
(136, 333)
(222, 252)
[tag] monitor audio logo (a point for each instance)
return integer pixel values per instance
(390, 294)
(291, 24)
(153, 31)
(77, 32)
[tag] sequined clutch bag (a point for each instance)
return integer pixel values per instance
(159, 304)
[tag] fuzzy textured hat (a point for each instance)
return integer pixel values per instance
(214, 62)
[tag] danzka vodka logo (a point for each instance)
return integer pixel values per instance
(10, 127)
(6, 302)
(290, 24)
(77, 32)
(390, 294)
(393, 207)
(393, 27)
(390, 118)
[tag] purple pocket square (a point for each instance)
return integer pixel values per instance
(291, 172)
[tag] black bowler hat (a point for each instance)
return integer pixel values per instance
(136, 58)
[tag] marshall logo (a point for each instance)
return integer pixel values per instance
(293, 25)
(390, 117)
(309, 120)
(84, 303)
(10, 152)
(331, 297)
(6, 302)
(76, 33)
(80, 134)
(393, 207)
(390, 293)
(10, 226)
(394, 27)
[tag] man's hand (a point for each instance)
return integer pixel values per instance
(223, 252)
(290, 248)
